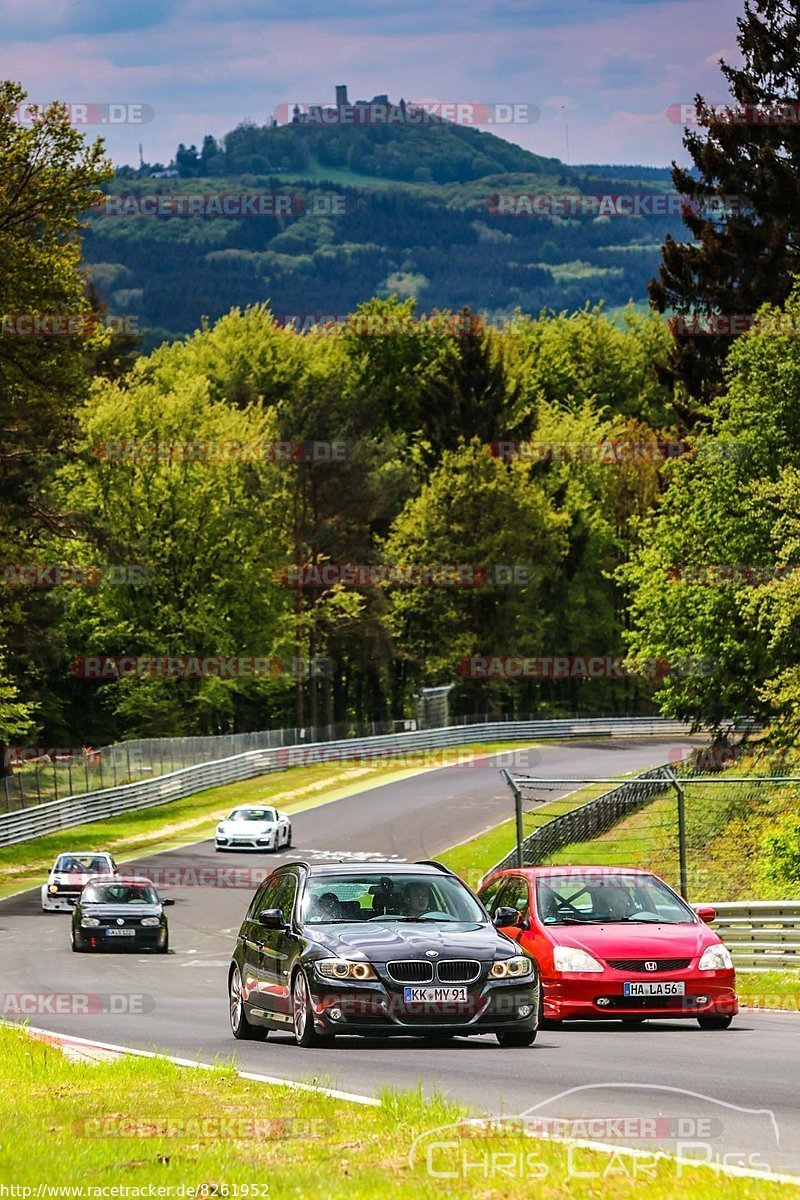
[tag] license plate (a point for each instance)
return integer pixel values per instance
(435, 995)
(662, 988)
(120, 933)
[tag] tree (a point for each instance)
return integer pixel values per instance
(707, 590)
(49, 177)
(750, 163)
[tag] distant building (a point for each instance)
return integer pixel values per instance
(377, 111)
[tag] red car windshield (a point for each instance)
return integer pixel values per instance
(575, 899)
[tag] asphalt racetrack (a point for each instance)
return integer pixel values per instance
(735, 1093)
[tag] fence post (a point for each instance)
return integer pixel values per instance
(517, 814)
(681, 832)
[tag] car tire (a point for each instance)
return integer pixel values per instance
(77, 948)
(302, 1016)
(164, 949)
(714, 1022)
(289, 839)
(518, 1038)
(240, 1026)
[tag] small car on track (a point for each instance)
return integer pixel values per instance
(69, 875)
(125, 912)
(254, 827)
(377, 949)
(614, 942)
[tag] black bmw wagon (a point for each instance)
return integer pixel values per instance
(378, 949)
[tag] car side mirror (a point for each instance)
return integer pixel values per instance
(505, 916)
(706, 913)
(271, 918)
(166, 900)
(73, 901)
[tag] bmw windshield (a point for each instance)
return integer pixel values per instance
(336, 899)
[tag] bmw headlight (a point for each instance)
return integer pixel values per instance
(151, 921)
(341, 968)
(570, 958)
(511, 968)
(89, 922)
(716, 958)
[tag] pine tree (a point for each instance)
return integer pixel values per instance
(746, 254)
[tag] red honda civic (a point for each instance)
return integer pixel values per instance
(614, 943)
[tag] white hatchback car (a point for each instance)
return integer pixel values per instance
(252, 827)
(69, 874)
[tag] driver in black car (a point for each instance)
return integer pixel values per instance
(417, 899)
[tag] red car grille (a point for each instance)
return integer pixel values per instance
(638, 964)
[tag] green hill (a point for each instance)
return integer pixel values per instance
(375, 210)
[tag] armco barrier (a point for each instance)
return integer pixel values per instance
(94, 806)
(761, 933)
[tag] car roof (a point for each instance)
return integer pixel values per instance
(120, 879)
(371, 868)
(84, 854)
(568, 869)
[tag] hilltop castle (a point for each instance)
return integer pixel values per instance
(377, 111)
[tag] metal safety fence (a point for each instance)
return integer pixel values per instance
(64, 813)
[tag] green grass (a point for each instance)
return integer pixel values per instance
(769, 989)
(473, 858)
(299, 1143)
(181, 822)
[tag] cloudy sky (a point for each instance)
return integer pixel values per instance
(602, 72)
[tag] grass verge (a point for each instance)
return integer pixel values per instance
(227, 1136)
(180, 822)
(473, 858)
(769, 989)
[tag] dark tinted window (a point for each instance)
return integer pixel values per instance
(490, 893)
(284, 897)
(264, 897)
(515, 895)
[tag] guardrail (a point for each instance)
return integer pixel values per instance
(94, 806)
(761, 933)
(587, 821)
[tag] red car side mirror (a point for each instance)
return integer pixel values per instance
(706, 913)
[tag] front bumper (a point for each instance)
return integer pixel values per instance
(150, 937)
(378, 1009)
(267, 841)
(600, 997)
(59, 901)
